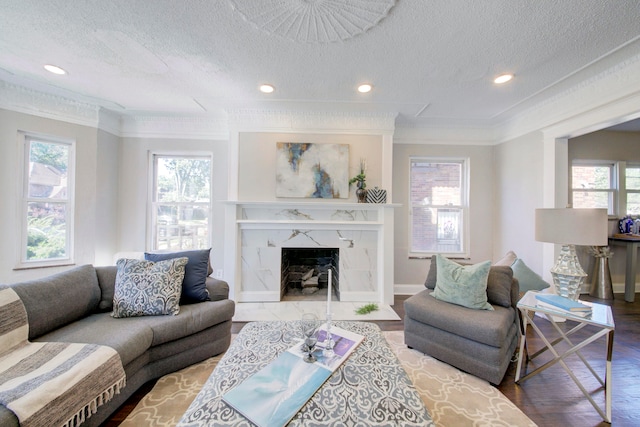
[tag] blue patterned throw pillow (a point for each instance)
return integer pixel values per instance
(146, 288)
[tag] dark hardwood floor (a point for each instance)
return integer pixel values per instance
(550, 398)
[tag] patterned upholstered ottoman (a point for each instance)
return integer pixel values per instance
(369, 389)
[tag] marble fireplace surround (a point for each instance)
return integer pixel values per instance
(362, 232)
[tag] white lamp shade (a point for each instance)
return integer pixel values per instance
(567, 226)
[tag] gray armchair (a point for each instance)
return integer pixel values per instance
(480, 342)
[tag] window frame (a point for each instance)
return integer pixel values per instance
(624, 191)
(616, 176)
(25, 140)
(151, 199)
(465, 163)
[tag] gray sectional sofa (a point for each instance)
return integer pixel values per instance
(75, 306)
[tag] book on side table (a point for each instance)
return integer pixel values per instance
(273, 395)
(563, 304)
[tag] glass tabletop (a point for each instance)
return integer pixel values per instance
(600, 313)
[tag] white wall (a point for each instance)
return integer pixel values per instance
(133, 189)
(519, 191)
(106, 198)
(85, 243)
(411, 272)
(606, 145)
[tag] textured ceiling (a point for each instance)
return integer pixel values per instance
(431, 61)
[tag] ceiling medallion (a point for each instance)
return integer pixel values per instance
(313, 21)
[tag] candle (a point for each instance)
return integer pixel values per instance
(329, 292)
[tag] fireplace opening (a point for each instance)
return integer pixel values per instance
(305, 274)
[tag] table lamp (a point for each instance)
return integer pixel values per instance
(569, 227)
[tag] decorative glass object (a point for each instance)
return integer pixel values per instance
(309, 326)
(328, 341)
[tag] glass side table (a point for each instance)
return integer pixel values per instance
(600, 317)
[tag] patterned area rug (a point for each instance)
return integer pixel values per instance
(453, 398)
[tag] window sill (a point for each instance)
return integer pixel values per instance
(41, 265)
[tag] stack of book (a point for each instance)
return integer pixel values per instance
(563, 304)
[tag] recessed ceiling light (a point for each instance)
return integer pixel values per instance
(54, 69)
(267, 88)
(503, 78)
(364, 88)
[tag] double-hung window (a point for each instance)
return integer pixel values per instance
(632, 185)
(47, 202)
(438, 206)
(180, 202)
(594, 185)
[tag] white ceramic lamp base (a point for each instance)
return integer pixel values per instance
(567, 274)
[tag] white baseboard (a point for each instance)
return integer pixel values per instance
(407, 289)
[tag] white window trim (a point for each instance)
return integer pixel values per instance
(23, 182)
(466, 171)
(151, 202)
(618, 204)
(623, 191)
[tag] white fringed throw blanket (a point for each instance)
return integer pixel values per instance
(53, 384)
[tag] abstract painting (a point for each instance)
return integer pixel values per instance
(312, 170)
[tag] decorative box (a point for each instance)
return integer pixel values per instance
(376, 195)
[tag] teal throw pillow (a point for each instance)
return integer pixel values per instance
(528, 279)
(464, 285)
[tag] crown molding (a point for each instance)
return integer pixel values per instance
(29, 101)
(109, 121)
(33, 102)
(248, 120)
(451, 135)
(597, 100)
(190, 127)
(593, 104)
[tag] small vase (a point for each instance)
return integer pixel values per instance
(361, 193)
(601, 279)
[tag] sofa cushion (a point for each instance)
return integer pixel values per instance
(126, 336)
(59, 299)
(193, 318)
(194, 288)
(218, 289)
(463, 285)
(147, 288)
(484, 326)
(529, 280)
(432, 277)
(107, 281)
(499, 285)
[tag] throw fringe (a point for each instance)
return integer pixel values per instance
(92, 407)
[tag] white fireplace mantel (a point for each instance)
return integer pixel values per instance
(258, 230)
